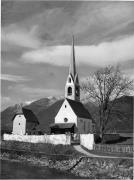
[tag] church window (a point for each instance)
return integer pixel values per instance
(69, 79)
(69, 91)
(65, 106)
(77, 91)
(65, 119)
(19, 123)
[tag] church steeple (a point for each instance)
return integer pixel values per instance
(72, 89)
(72, 69)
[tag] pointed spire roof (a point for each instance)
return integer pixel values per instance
(72, 69)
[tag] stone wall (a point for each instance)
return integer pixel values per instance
(87, 140)
(51, 139)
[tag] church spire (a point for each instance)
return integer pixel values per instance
(72, 69)
(72, 88)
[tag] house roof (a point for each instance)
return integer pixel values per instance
(62, 125)
(29, 115)
(79, 109)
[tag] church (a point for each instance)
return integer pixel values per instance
(24, 121)
(72, 117)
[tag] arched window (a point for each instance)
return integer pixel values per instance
(77, 91)
(69, 79)
(69, 91)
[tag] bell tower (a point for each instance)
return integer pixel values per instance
(72, 88)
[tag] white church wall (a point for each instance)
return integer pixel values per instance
(51, 139)
(19, 124)
(87, 140)
(66, 112)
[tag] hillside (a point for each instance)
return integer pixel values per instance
(45, 109)
(36, 107)
(122, 115)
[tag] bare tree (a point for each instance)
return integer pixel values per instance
(103, 88)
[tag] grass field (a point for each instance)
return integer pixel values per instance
(85, 167)
(40, 147)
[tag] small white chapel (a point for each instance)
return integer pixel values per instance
(72, 117)
(24, 121)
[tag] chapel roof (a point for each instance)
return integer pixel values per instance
(79, 109)
(29, 115)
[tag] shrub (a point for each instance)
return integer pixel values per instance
(110, 138)
(97, 138)
(39, 147)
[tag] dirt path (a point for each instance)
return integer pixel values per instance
(80, 149)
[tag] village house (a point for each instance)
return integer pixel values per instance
(72, 117)
(24, 121)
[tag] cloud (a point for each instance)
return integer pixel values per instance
(13, 35)
(55, 55)
(27, 93)
(13, 78)
(101, 54)
(92, 22)
(28, 102)
(9, 64)
(5, 101)
(53, 23)
(129, 73)
(36, 91)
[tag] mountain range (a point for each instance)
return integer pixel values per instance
(46, 109)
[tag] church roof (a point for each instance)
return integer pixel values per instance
(29, 115)
(79, 109)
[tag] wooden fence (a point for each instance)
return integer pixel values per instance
(114, 148)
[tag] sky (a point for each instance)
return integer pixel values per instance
(36, 39)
